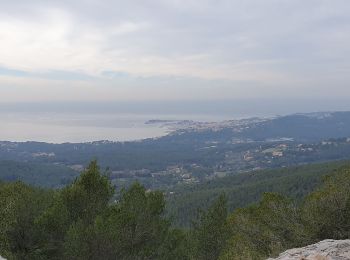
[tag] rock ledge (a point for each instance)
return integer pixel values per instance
(325, 250)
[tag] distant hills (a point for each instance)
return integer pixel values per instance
(193, 152)
(300, 127)
(255, 187)
(303, 127)
(37, 174)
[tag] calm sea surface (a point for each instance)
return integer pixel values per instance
(60, 128)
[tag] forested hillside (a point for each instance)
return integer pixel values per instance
(82, 221)
(246, 188)
(37, 174)
(196, 154)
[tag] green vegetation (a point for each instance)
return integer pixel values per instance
(82, 221)
(37, 174)
(278, 223)
(247, 188)
(210, 232)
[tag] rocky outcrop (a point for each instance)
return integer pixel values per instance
(324, 250)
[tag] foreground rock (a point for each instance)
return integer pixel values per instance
(324, 250)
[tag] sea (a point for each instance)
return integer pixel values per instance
(76, 122)
(82, 127)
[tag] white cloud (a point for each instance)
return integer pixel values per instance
(280, 46)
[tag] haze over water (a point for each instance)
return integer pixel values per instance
(125, 121)
(224, 59)
(65, 127)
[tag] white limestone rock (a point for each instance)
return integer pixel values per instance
(325, 250)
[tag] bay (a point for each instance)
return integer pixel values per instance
(81, 127)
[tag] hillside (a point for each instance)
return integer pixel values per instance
(84, 221)
(199, 151)
(247, 188)
(37, 174)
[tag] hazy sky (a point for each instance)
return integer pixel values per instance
(93, 50)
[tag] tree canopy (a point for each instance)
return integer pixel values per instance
(83, 221)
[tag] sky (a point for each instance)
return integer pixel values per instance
(172, 50)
